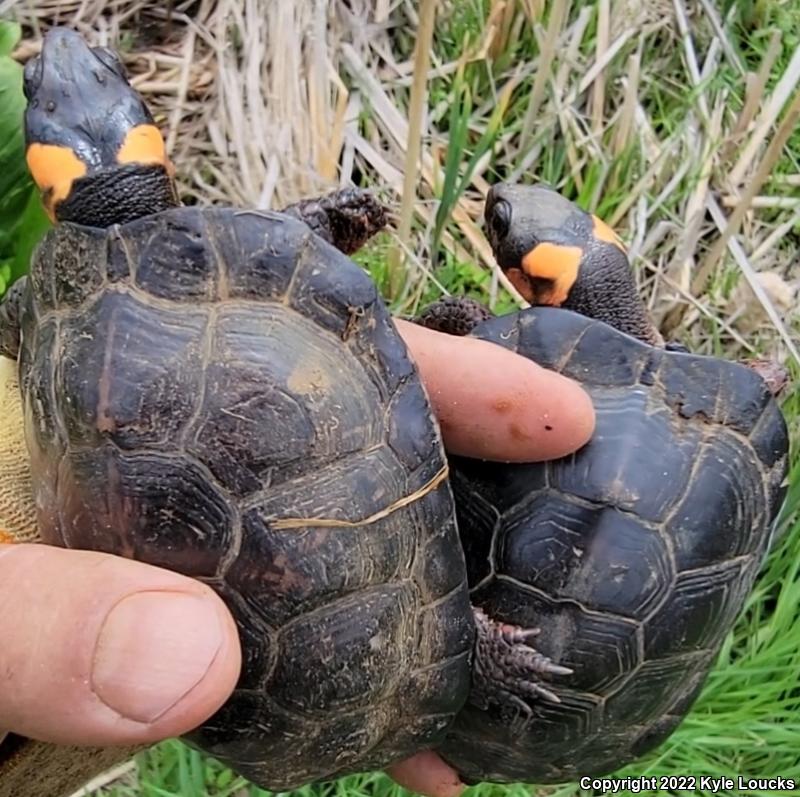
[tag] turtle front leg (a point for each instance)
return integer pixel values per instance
(455, 315)
(347, 218)
(10, 315)
(507, 671)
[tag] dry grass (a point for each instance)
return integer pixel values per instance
(645, 111)
(674, 120)
(246, 93)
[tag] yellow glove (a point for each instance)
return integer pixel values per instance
(17, 512)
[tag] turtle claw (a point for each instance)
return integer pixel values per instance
(507, 671)
(523, 716)
(535, 690)
(522, 634)
(557, 669)
(540, 663)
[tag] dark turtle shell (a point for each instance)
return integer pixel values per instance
(224, 394)
(634, 556)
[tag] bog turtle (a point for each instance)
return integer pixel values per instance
(633, 555)
(222, 392)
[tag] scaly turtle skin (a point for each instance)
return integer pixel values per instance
(634, 556)
(222, 392)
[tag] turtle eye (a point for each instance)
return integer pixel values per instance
(500, 219)
(111, 60)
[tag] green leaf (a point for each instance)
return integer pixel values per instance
(5, 277)
(457, 174)
(13, 173)
(10, 34)
(22, 219)
(30, 228)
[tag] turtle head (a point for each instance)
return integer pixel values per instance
(91, 144)
(557, 254)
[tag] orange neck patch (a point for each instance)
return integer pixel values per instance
(54, 169)
(604, 233)
(144, 144)
(521, 282)
(557, 264)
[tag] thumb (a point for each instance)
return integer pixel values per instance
(99, 650)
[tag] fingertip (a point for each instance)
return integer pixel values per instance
(578, 432)
(494, 404)
(109, 651)
(426, 773)
(550, 416)
(166, 659)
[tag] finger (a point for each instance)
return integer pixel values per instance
(494, 404)
(100, 650)
(426, 773)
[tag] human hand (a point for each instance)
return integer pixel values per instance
(102, 650)
(494, 404)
